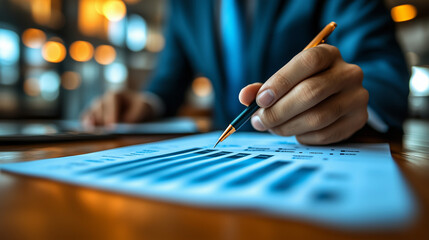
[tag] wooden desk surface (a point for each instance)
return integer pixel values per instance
(33, 208)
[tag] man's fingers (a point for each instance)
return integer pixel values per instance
(135, 112)
(302, 66)
(98, 112)
(248, 94)
(87, 119)
(126, 106)
(340, 130)
(324, 114)
(111, 107)
(302, 97)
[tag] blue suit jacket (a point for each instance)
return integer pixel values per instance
(281, 29)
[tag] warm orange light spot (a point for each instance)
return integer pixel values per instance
(114, 10)
(90, 18)
(202, 87)
(98, 5)
(131, 1)
(70, 80)
(41, 11)
(33, 38)
(81, 51)
(105, 54)
(31, 87)
(403, 13)
(54, 52)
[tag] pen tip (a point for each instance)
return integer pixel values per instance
(216, 143)
(230, 130)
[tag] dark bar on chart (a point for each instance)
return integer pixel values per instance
(326, 196)
(228, 169)
(195, 168)
(116, 171)
(293, 179)
(97, 169)
(256, 174)
(174, 164)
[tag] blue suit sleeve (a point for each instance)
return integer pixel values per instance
(173, 73)
(366, 36)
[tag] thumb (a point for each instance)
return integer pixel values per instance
(248, 94)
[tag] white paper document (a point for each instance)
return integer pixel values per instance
(350, 185)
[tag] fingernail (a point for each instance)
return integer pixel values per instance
(257, 123)
(265, 98)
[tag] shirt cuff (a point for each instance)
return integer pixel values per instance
(376, 122)
(155, 102)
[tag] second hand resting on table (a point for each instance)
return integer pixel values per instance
(316, 96)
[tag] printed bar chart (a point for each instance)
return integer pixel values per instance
(351, 186)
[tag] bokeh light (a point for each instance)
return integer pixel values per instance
(31, 87)
(9, 47)
(81, 51)
(403, 13)
(8, 101)
(33, 38)
(41, 11)
(90, 18)
(71, 80)
(131, 1)
(114, 10)
(53, 52)
(33, 57)
(202, 87)
(136, 33)
(155, 42)
(9, 74)
(117, 32)
(105, 54)
(116, 73)
(419, 82)
(98, 5)
(49, 83)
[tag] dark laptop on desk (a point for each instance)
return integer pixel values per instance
(61, 130)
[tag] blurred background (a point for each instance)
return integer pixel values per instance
(56, 56)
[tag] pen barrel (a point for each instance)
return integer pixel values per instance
(245, 115)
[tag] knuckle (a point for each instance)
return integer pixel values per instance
(269, 117)
(283, 130)
(319, 138)
(314, 120)
(278, 131)
(281, 81)
(365, 95)
(313, 58)
(361, 97)
(325, 138)
(355, 72)
(363, 117)
(333, 50)
(337, 111)
(309, 90)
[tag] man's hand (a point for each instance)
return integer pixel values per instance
(114, 107)
(316, 96)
